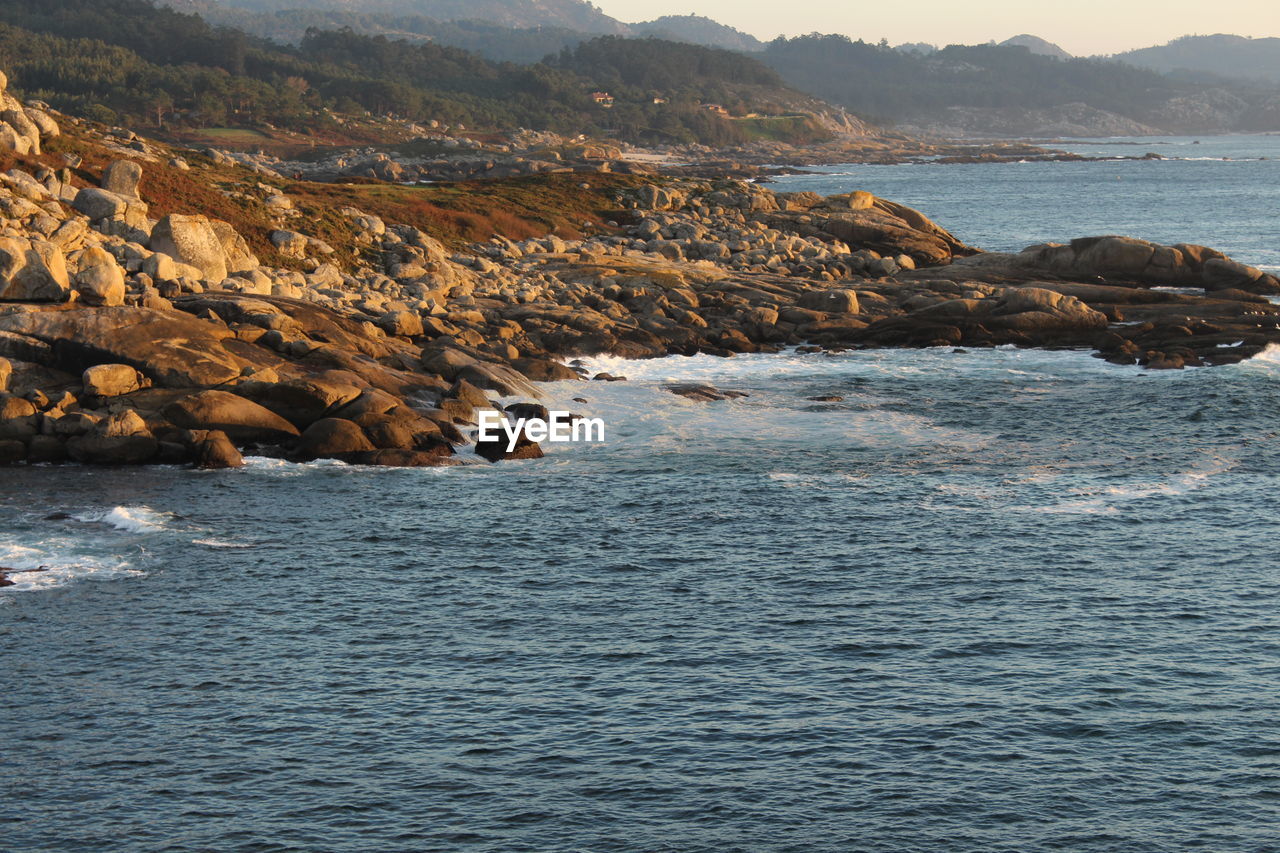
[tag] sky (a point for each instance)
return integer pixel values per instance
(1081, 27)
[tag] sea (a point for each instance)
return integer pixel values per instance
(984, 600)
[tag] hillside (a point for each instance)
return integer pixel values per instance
(524, 33)
(569, 14)
(1221, 55)
(697, 29)
(128, 61)
(1009, 90)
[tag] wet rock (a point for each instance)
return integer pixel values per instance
(12, 451)
(499, 449)
(333, 438)
(212, 449)
(121, 439)
(703, 393)
(400, 458)
(46, 449)
(544, 370)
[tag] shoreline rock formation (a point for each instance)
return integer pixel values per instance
(131, 339)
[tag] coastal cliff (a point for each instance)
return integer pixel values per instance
(172, 306)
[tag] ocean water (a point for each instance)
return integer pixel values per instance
(1219, 191)
(991, 600)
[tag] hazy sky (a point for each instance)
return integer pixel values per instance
(1082, 27)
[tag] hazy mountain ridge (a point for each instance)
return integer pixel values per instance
(1036, 45)
(699, 30)
(1005, 90)
(1222, 55)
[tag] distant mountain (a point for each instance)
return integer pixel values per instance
(699, 30)
(1036, 45)
(1221, 55)
(991, 90)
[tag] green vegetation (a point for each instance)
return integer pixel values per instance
(126, 61)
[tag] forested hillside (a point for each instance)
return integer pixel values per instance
(570, 14)
(1220, 55)
(128, 61)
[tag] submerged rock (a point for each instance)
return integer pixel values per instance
(703, 393)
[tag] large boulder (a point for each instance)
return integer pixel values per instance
(97, 203)
(240, 257)
(291, 244)
(301, 402)
(121, 439)
(111, 380)
(838, 301)
(213, 450)
(499, 448)
(1036, 309)
(406, 324)
(240, 419)
(333, 438)
(122, 178)
(32, 271)
(6, 370)
(172, 348)
(42, 120)
(19, 420)
(24, 127)
(191, 240)
(13, 142)
(1117, 259)
(1226, 274)
(99, 279)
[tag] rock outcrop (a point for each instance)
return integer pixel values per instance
(1120, 260)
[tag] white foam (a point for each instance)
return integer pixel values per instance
(1268, 360)
(59, 561)
(130, 519)
(896, 363)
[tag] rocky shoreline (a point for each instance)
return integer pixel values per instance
(128, 339)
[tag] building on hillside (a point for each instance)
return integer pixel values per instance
(604, 99)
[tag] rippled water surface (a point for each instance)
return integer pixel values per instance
(1219, 191)
(994, 600)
